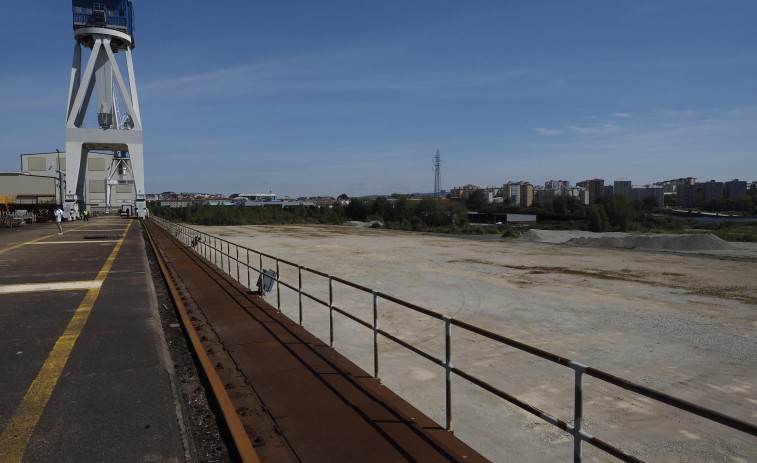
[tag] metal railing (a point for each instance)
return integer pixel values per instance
(110, 20)
(16, 219)
(219, 251)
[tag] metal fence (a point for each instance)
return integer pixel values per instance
(16, 219)
(111, 20)
(231, 257)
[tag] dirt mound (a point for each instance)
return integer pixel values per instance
(704, 242)
(645, 241)
(358, 224)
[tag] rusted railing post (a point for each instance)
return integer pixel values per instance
(448, 368)
(278, 287)
(331, 311)
(249, 270)
(578, 411)
(375, 336)
(299, 291)
(260, 274)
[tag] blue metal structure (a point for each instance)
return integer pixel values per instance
(112, 14)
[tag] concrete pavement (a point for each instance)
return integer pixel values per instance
(86, 374)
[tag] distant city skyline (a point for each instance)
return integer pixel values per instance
(570, 184)
(356, 97)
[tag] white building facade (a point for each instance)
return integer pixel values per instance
(110, 181)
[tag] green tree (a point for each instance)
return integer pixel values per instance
(457, 214)
(745, 204)
(618, 211)
(560, 205)
(402, 210)
(650, 202)
(380, 208)
(476, 201)
(597, 219)
(429, 210)
(358, 209)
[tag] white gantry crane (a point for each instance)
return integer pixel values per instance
(106, 28)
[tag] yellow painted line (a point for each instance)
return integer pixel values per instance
(17, 434)
(73, 242)
(22, 244)
(38, 287)
(38, 239)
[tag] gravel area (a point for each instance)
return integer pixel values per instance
(679, 318)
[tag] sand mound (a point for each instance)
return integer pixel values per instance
(645, 241)
(358, 224)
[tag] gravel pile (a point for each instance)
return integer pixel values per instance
(645, 241)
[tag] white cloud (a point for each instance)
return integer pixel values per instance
(621, 114)
(676, 113)
(549, 132)
(600, 128)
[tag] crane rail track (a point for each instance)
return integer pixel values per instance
(285, 394)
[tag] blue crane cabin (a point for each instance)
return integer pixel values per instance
(112, 14)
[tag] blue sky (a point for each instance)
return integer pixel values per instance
(329, 97)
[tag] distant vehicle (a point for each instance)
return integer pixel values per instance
(112, 14)
(126, 210)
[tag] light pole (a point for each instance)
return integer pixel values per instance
(60, 178)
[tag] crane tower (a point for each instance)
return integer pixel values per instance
(106, 28)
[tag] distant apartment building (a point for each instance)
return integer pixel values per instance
(491, 192)
(671, 186)
(463, 192)
(735, 188)
(556, 185)
(687, 195)
(643, 192)
(543, 195)
(595, 189)
(526, 194)
(519, 193)
(712, 190)
(622, 187)
(579, 192)
(175, 202)
(511, 191)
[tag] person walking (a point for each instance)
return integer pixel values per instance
(86, 215)
(59, 219)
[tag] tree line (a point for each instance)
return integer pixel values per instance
(401, 213)
(609, 213)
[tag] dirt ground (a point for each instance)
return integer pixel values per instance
(683, 323)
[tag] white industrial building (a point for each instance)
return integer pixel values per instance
(25, 189)
(109, 186)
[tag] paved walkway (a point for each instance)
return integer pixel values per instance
(86, 374)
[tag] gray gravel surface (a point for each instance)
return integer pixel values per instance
(684, 324)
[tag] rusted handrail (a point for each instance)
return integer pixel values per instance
(187, 235)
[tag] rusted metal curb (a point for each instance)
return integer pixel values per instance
(238, 434)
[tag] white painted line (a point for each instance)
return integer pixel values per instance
(38, 287)
(93, 230)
